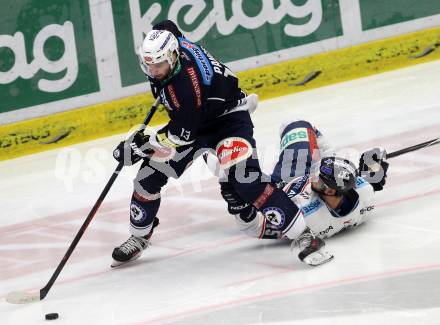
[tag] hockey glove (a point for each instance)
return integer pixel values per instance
(373, 167)
(236, 205)
(135, 148)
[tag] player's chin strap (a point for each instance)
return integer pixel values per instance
(321, 192)
(323, 187)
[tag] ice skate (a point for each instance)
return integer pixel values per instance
(313, 251)
(132, 248)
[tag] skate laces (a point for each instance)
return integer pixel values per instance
(132, 244)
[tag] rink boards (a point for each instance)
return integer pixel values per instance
(274, 80)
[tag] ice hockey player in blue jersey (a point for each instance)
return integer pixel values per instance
(332, 194)
(207, 111)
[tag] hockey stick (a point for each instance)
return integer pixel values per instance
(27, 297)
(413, 148)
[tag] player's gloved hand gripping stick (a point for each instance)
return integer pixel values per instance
(27, 297)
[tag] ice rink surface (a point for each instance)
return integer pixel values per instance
(200, 269)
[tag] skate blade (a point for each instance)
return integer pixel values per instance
(116, 264)
(318, 258)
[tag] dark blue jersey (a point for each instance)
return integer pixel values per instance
(199, 90)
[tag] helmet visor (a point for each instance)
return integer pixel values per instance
(155, 69)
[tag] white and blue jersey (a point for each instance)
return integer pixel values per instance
(300, 145)
(324, 221)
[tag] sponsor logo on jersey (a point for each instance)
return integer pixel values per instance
(233, 150)
(173, 96)
(217, 65)
(186, 44)
(294, 136)
(325, 231)
(148, 59)
(349, 224)
(360, 182)
(267, 193)
(297, 187)
(201, 60)
(275, 216)
(311, 208)
(291, 194)
(196, 85)
(367, 209)
(137, 213)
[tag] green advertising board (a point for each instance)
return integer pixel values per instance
(84, 51)
(380, 13)
(46, 52)
(231, 30)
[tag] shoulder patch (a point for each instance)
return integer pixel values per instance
(200, 58)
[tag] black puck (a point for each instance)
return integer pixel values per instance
(51, 316)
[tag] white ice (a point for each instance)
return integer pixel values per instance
(200, 268)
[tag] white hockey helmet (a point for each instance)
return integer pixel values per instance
(158, 46)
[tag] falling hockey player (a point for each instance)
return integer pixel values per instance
(207, 110)
(332, 194)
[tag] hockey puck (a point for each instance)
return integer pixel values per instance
(51, 316)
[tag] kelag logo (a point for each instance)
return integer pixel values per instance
(231, 30)
(46, 52)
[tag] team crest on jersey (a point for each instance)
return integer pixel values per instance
(275, 215)
(137, 213)
(233, 150)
